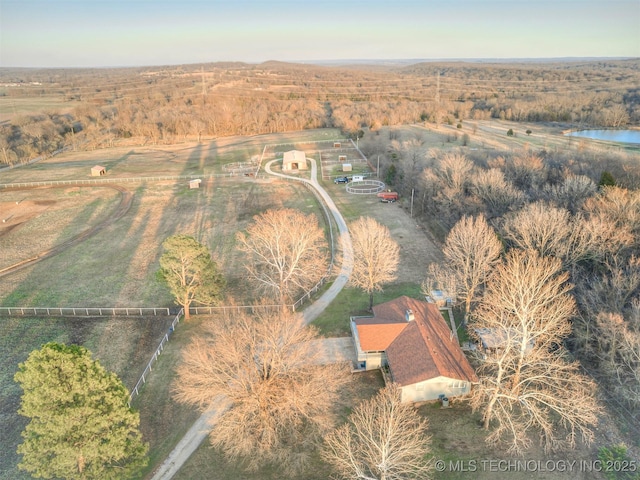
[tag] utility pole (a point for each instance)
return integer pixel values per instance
(411, 210)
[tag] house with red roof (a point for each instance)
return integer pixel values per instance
(412, 341)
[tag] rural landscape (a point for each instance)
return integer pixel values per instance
(215, 255)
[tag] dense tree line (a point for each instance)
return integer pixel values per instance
(536, 202)
(165, 105)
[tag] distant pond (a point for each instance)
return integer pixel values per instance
(621, 136)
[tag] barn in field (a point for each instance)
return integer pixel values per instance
(98, 171)
(294, 160)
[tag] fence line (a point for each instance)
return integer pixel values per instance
(99, 181)
(83, 311)
(376, 187)
(154, 358)
(233, 308)
(308, 142)
(138, 311)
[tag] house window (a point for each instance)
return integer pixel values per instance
(458, 384)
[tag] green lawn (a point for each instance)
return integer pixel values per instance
(334, 321)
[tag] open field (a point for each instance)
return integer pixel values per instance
(12, 108)
(117, 265)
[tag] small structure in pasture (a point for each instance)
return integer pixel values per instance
(342, 158)
(195, 183)
(412, 339)
(98, 171)
(337, 144)
(346, 167)
(294, 160)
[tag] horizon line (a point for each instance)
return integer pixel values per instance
(338, 61)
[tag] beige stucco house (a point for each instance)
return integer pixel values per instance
(294, 160)
(412, 340)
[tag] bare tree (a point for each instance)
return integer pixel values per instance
(618, 349)
(572, 192)
(383, 439)
(471, 250)
(541, 227)
(455, 169)
(526, 170)
(526, 382)
(286, 252)
(375, 256)
(496, 193)
(618, 204)
(269, 367)
(553, 231)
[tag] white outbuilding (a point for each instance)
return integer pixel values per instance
(294, 160)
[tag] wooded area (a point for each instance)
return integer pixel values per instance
(101, 107)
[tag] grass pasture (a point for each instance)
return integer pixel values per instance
(123, 345)
(12, 107)
(117, 265)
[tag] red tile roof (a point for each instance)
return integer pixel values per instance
(425, 348)
(376, 334)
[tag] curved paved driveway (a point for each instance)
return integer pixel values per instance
(313, 311)
(338, 349)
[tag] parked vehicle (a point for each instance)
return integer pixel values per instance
(388, 197)
(341, 180)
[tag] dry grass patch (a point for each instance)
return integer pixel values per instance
(40, 219)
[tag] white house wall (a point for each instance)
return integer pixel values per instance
(432, 389)
(372, 360)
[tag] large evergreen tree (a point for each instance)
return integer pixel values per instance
(81, 426)
(190, 273)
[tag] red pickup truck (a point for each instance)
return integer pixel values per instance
(388, 197)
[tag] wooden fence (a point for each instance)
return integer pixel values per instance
(233, 308)
(359, 188)
(103, 181)
(83, 311)
(154, 358)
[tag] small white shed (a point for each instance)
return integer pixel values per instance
(347, 167)
(195, 183)
(98, 171)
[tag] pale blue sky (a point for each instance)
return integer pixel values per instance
(78, 33)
